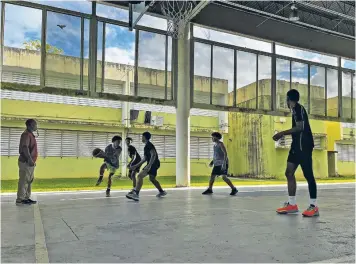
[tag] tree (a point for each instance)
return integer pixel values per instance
(36, 45)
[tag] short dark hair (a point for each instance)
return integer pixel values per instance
(217, 135)
(29, 122)
(129, 139)
(293, 95)
(115, 138)
(147, 135)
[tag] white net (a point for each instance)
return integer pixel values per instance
(177, 13)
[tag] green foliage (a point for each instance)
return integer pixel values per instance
(36, 45)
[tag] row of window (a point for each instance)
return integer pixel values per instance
(70, 143)
(345, 152)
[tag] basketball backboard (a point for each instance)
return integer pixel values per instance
(136, 10)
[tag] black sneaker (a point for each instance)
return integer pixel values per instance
(99, 181)
(234, 191)
(161, 194)
(208, 191)
(133, 196)
(31, 201)
(107, 192)
(23, 202)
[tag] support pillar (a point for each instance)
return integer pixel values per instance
(125, 116)
(181, 58)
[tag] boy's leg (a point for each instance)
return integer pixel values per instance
(307, 167)
(139, 182)
(101, 173)
(290, 206)
(109, 184)
(211, 183)
(156, 183)
(233, 188)
(133, 178)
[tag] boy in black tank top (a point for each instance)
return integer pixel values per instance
(135, 159)
(153, 164)
(299, 154)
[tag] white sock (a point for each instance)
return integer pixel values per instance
(292, 200)
(313, 201)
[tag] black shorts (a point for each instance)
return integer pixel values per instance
(217, 170)
(302, 158)
(154, 169)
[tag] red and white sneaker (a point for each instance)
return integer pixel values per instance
(311, 211)
(287, 209)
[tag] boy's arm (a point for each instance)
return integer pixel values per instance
(153, 158)
(225, 154)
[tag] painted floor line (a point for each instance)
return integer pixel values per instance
(345, 259)
(351, 184)
(41, 252)
(96, 198)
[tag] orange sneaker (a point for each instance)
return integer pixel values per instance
(287, 209)
(311, 211)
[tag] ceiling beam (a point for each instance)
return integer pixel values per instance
(197, 9)
(326, 10)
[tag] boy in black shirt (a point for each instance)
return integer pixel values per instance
(153, 164)
(135, 159)
(299, 154)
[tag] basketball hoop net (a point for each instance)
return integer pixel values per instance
(177, 13)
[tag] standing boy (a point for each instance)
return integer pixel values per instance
(299, 154)
(27, 163)
(153, 164)
(221, 164)
(111, 161)
(135, 159)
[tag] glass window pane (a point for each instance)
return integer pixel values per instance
(317, 90)
(86, 55)
(151, 65)
(306, 55)
(223, 76)
(112, 12)
(332, 93)
(99, 56)
(300, 82)
(246, 80)
(346, 95)
(231, 39)
(22, 45)
(153, 22)
(264, 82)
(83, 6)
(283, 83)
(119, 59)
(63, 51)
(202, 57)
(348, 64)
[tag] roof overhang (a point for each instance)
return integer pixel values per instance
(276, 30)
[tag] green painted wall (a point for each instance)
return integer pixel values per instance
(252, 151)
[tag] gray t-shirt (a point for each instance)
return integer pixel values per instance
(113, 154)
(218, 158)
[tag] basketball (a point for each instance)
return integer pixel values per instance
(96, 152)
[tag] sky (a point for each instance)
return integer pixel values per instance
(24, 24)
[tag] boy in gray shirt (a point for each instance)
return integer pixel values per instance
(220, 164)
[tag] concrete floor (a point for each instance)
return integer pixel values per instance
(182, 227)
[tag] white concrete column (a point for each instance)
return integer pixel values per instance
(183, 109)
(125, 116)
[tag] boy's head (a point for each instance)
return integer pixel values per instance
(128, 141)
(31, 125)
(116, 141)
(292, 98)
(216, 136)
(146, 136)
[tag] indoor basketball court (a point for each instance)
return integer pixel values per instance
(205, 62)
